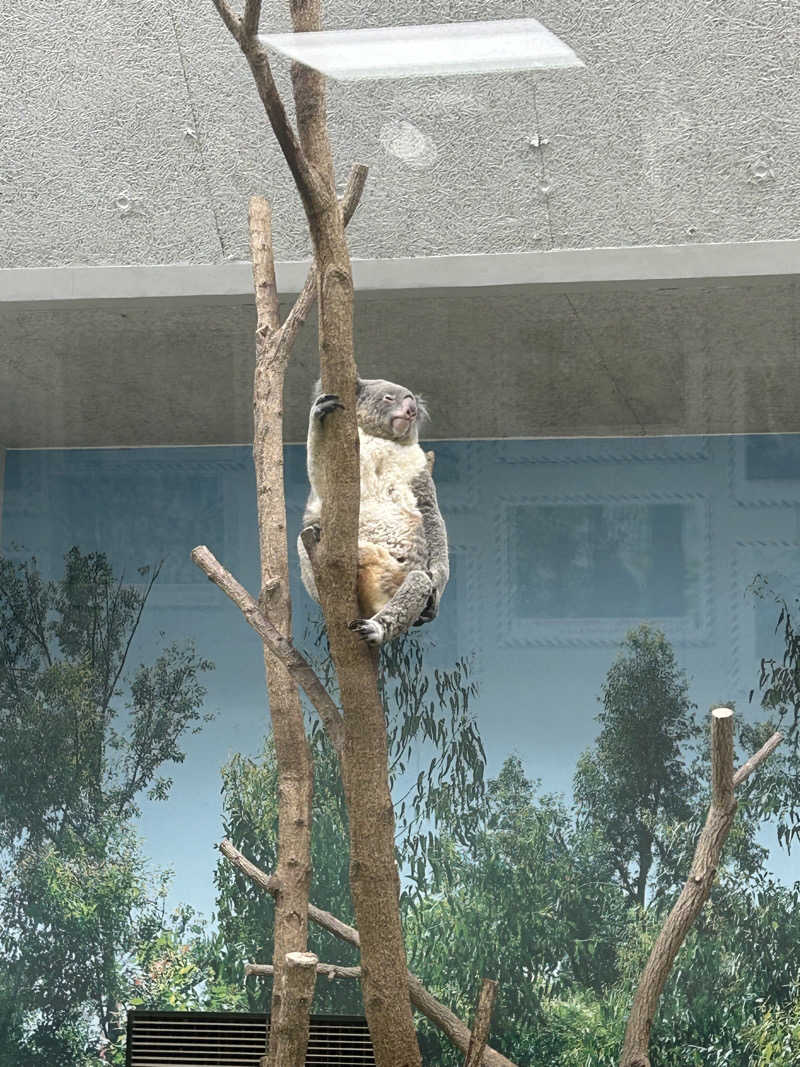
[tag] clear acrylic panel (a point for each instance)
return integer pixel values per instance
(432, 49)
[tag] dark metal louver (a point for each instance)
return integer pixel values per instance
(237, 1039)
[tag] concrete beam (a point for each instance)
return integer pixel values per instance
(656, 266)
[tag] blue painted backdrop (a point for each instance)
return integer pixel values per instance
(558, 548)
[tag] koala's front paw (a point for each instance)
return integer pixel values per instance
(369, 629)
(325, 404)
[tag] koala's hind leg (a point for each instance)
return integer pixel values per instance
(400, 613)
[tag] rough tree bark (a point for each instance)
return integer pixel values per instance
(295, 767)
(297, 991)
(373, 870)
(440, 1015)
(697, 888)
(284, 666)
(482, 1023)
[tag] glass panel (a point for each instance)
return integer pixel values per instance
(419, 51)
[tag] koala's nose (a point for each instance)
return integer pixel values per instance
(409, 408)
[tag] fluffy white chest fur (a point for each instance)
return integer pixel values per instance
(389, 516)
(388, 469)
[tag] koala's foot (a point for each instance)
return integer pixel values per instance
(325, 404)
(369, 629)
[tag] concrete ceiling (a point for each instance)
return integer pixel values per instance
(494, 362)
(132, 137)
(132, 134)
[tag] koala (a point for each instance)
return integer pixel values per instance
(403, 562)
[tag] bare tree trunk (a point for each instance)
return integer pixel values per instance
(373, 870)
(697, 888)
(271, 617)
(295, 767)
(298, 978)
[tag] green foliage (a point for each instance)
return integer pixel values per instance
(528, 903)
(429, 725)
(775, 1039)
(634, 783)
(79, 742)
(64, 763)
(547, 900)
(184, 968)
(779, 685)
(72, 915)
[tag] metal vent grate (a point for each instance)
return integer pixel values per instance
(237, 1039)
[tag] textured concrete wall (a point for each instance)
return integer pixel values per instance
(493, 363)
(132, 134)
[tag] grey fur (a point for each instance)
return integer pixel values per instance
(399, 509)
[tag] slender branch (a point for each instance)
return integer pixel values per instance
(305, 301)
(766, 750)
(353, 190)
(268, 882)
(232, 21)
(697, 888)
(483, 1020)
(243, 31)
(440, 1015)
(280, 646)
(330, 970)
(313, 192)
(722, 758)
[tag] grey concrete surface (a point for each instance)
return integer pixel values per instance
(503, 362)
(132, 134)
(651, 266)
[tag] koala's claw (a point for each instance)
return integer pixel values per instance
(369, 629)
(430, 611)
(325, 404)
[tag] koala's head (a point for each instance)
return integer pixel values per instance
(388, 410)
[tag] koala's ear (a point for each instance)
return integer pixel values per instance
(317, 389)
(359, 386)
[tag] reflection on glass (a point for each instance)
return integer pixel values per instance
(599, 560)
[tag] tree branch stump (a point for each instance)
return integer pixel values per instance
(297, 979)
(697, 889)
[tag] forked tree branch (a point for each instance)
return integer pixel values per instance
(440, 1015)
(305, 301)
(231, 20)
(697, 888)
(313, 192)
(295, 663)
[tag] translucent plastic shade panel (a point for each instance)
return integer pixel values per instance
(418, 51)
